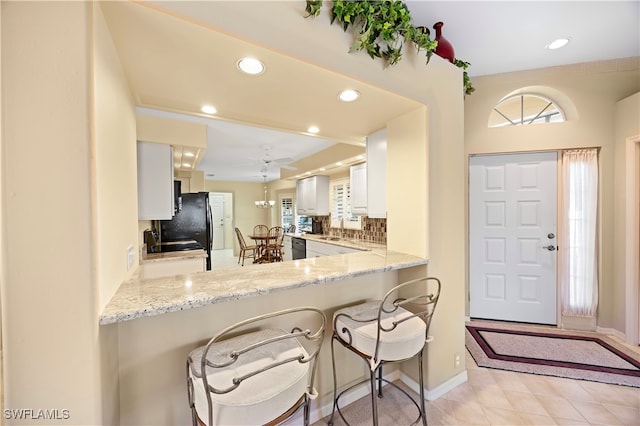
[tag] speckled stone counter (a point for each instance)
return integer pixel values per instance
(141, 298)
(342, 242)
(175, 255)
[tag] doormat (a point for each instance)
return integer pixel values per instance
(553, 352)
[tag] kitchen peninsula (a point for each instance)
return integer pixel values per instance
(159, 321)
(146, 297)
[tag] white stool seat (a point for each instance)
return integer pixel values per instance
(260, 398)
(404, 342)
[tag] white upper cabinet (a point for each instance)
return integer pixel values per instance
(312, 195)
(358, 182)
(377, 174)
(300, 194)
(155, 181)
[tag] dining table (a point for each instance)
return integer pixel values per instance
(262, 241)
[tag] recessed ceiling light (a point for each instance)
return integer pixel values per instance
(208, 109)
(189, 154)
(339, 163)
(360, 157)
(313, 129)
(348, 95)
(557, 44)
(186, 165)
(251, 66)
(322, 169)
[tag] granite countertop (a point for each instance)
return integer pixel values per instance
(173, 255)
(342, 242)
(139, 298)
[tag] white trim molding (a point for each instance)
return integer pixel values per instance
(437, 392)
(632, 240)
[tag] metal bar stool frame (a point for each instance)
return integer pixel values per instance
(314, 337)
(428, 302)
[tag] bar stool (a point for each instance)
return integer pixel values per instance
(393, 329)
(254, 372)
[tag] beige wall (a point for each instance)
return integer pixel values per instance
(52, 343)
(115, 197)
(2, 243)
(626, 233)
(407, 175)
(115, 165)
(594, 89)
(425, 205)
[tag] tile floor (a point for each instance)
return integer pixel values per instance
(496, 397)
(225, 259)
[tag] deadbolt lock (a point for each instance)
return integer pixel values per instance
(551, 236)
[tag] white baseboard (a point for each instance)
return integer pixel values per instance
(437, 392)
(612, 332)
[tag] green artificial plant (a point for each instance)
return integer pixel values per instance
(381, 28)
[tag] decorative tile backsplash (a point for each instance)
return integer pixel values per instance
(374, 230)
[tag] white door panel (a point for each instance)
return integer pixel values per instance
(217, 210)
(512, 213)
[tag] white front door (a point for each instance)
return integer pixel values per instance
(512, 237)
(217, 210)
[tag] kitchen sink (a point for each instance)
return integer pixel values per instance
(330, 238)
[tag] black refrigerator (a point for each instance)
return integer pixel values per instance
(192, 222)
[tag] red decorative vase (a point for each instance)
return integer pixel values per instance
(444, 48)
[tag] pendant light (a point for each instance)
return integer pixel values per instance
(264, 204)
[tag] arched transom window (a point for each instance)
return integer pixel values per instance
(525, 108)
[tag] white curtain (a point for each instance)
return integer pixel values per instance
(578, 249)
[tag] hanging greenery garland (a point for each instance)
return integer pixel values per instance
(381, 28)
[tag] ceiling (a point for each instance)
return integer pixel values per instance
(241, 153)
(178, 56)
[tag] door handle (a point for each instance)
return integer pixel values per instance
(550, 248)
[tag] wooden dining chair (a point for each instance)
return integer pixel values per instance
(245, 250)
(261, 230)
(274, 244)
